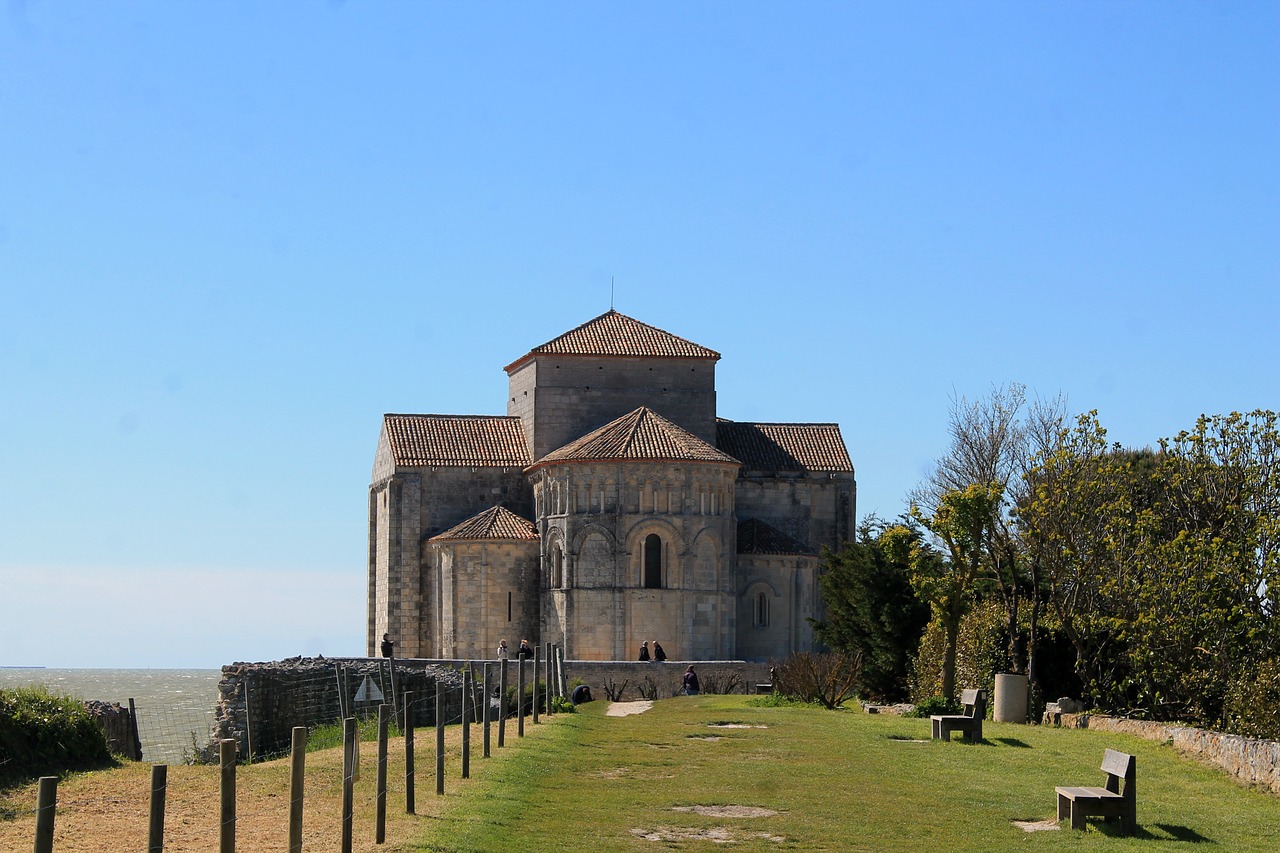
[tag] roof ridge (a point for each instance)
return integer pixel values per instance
(614, 334)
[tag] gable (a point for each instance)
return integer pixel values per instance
(642, 434)
(617, 335)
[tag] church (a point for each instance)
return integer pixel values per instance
(609, 506)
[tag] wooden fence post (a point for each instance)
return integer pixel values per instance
(536, 667)
(520, 698)
(409, 804)
(551, 690)
(476, 691)
(248, 725)
(155, 827)
(342, 704)
(466, 724)
(348, 780)
(395, 710)
(227, 823)
(297, 775)
(488, 709)
(502, 702)
(562, 682)
(384, 720)
(46, 807)
(439, 737)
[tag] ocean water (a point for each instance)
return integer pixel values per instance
(175, 706)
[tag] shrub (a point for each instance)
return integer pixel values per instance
(934, 705)
(43, 734)
(1253, 703)
(827, 678)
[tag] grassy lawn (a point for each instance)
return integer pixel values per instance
(834, 781)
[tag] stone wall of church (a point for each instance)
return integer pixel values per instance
(595, 519)
(483, 592)
(817, 509)
(560, 399)
(778, 594)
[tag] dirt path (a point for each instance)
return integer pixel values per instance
(624, 709)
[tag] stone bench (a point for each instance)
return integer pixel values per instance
(1109, 801)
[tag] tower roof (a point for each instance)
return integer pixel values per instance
(784, 447)
(456, 440)
(642, 434)
(617, 335)
(494, 523)
(758, 537)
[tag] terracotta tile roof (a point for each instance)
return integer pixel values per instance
(615, 334)
(758, 537)
(641, 434)
(495, 523)
(784, 447)
(456, 440)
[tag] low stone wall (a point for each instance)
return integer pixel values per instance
(1247, 760)
(260, 703)
(117, 724)
(639, 680)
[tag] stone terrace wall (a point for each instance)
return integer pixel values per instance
(260, 703)
(715, 676)
(1247, 760)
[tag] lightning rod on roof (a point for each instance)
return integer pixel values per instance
(610, 293)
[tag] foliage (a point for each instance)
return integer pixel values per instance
(872, 611)
(42, 733)
(711, 683)
(329, 735)
(934, 705)
(777, 700)
(561, 705)
(1253, 702)
(980, 647)
(826, 678)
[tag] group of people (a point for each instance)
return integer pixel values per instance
(658, 655)
(524, 651)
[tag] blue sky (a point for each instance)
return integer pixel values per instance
(233, 235)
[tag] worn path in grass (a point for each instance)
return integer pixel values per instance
(714, 771)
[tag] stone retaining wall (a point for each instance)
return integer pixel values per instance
(260, 703)
(117, 724)
(1247, 760)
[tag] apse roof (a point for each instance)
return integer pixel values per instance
(456, 440)
(616, 334)
(642, 434)
(758, 537)
(784, 447)
(495, 523)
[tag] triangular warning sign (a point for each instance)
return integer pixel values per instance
(368, 691)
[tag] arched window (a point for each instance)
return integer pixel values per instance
(762, 611)
(557, 567)
(653, 561)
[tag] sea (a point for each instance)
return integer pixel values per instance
(175, 706)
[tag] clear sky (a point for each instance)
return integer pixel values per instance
(233, 235)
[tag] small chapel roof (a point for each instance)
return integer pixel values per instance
(494, 523)
(456, 440)
(759, 537)
(784, 447)
(616, 334)
(642, 434)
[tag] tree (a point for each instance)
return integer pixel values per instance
(945, 571)
(871, 611)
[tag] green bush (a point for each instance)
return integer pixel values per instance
(934, 705)
(42, 734)
(1253, 703)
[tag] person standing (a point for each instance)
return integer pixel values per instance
(502, 650)
(387, 646)
(691, 687)
(644, 650)
(658, 654)
(524, 651)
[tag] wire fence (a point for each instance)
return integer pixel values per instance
(339, 800)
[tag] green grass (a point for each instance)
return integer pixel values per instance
(838, 781)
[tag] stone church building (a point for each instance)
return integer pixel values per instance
(609, 506)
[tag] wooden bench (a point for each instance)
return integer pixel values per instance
(970, 722)
(1109, 801)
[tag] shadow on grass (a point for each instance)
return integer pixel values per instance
(1165, 832)
(1012, 741)
(1180, 833)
